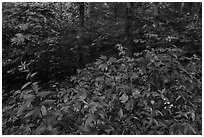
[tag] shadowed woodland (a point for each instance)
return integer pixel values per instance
(103, 68)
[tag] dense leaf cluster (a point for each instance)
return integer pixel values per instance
(101, 68)
(152, 94)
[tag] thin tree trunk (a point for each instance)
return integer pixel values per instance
(128, 29)
(81, 14)
(155, 9)
(61, 47)
(182, 6)
(45, 59)
(81, 22)
(115, 11)
(46, 65)
(60, 16)
(89, 9)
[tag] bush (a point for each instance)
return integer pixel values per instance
(152, 93)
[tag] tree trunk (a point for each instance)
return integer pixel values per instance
(115, 13)
(81, 22)
(45, 59)
(61, 16)
(128, 29)
(61, 47)
(90, 9)
(46, 66)
(81, 14)
(155, 9)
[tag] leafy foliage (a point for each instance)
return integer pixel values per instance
(153, 94)
(102, 68)
(148, 95)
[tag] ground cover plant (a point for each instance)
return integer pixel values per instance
(84, 69)
(153, 94)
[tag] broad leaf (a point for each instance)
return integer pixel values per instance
(90, 120)
(103, 67)
(120, 113)
(29, 114)
(47, 102)
(44, 93)
(35, 87)
(43, 110)
(124, 98)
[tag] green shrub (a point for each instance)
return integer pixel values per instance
(147, 95)
(151, 93)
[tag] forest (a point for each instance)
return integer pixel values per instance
(101, 68)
